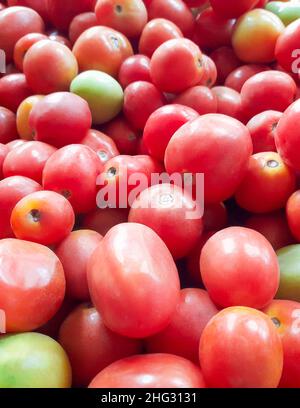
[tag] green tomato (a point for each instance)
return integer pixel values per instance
(289, 263)
(287, 12)
(33, 360)
(102, 92)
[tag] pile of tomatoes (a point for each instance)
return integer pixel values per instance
(145, 289)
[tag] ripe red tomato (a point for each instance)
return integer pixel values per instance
(143, 274)
(102, 144)
(13, 90)
(15, 143)
(200, 98)
(8, 129)
(235, 276)
(287, 46)
(29, 299)
(240, 348)
(80, 23)
(210, 73)
(226, 62)
(150, 371)
(62, 13)
(60, 118)
(232, 8)
(102, 220)
(44, 217)
(90, 345)
(125, 137)
(240, 75)
(229, 102)
(135, 68)
(23, 45)
(176, 65)
(292, 213)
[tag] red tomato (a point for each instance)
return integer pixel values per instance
(161, 126)
(23, 45)
(287, 46)
(40, 6)
(229, 102)
(90, 345)
(292, 213)
(62, 13)
(183, 334)
(74, 253)
(8, 129)
(3, 152)
(80, 23)
(125, 137)
(155, 33)
(150, 371)
(102, 220)
(232, 8)
(44, 217)
(140, 100)
(262, 128)
(210, 73)
(66, 167)
(226, 61)
(213, 144)
(200, 98)
(135, 68)
(29, 299)
(215, 217)
(15, 143)
(102, 144)
(240, 348)
(240, 75)
(60, 118)
(143, 274)
(13, 90)
(235, 276)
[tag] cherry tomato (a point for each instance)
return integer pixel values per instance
(62, 13)
(210, 73)
(80, 23)
(235, 276)
(13, 90)
(135, 68)
(8, 130)
(102, 220)
(229, 102)
(102, 144)
(23, 45)
(240, 348)
(287, 47)
(226, 61)
(240, 75)
(200, 98)
(231, 8)
(22, 117)
(125, 137)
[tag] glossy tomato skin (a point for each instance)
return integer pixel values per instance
(135, 68)
(12, 190)
(150, 371)
(292, 212)
(232, 9)
(155, 33)
(8, 130)
(286, 45)
(13, 90)
(123, 134)
(240, 75)
(23, 45)
(154, 282)
(240, 348)
(176, 65)
(229, 102)
(68, 165)
(200, 147)
(15, 143)
(242, 279)
(74, 253)
(23, 114)
(210, 73)
(28, 160)
(101, 144)
(30, 299)
(226, 61)
(161, 126)
(90, 345)
(60, 119)
(183, 334)
(200, 98)
(80, 23)
(61, 14)
(3, 152)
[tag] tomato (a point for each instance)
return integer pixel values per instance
(50, 370)
(125, 137)
(15, 22)
(68, 165)
(140, 100)
(175, 11)
(289, 288)
(262, 129)
(3, 152)
(40, 6)
(8, 130)
(103, 49)
(240, 75)
(285, 315)
(55, 36)
(28, 160)
(13, 90)
(215, 217)
(213, 144)
(135, 68)
(229, 102)
(269, 90)
(272, 226)
(161, 126)
(90, 345)
(287, 47)
(15, 143)
(61, 14)
(226, 61)
(23, 45)
(60, 118)
(127, 16)
(155, 33)
(23, 113)
(183, 334)
(80, 23)
(292, 212)
(102, 144)
(102, 220)
(144, 275)
(29, 300)
(150, 371)
(231, 8)
(240, 348)
(200, 98)
(210, 73)
(255, 35)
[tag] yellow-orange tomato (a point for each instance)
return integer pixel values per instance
(255, 35)
(23, 113)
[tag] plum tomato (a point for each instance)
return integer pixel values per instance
(240, 75)
(134, 68)
(90, 345)
(8, 129)
(23, 45)
(60, 119)
(80, 23)
(200, 98)
(240, 348)
(102, 220)
(3, 152)
(287, 46)
(137, 279)
(62, 13)
(232, 8)
(237, 277)
(226, 61)
(229, 102)
(102, 144)
(210, 73)
(13, 90)
(22, 116)
(31, 299)
(150, 371)
(176, 65)
(161, 126)
(123, 134)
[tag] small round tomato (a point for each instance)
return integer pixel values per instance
(183, 334)
(22, 118)
(229, 102)
(240, 75)
(49, 66)
(262, 128)
(90, 345)
(142, 262)
(267, 185)
(80, 23)
(287, 46)
(200, 98)
(25, 296)
(210, 73)
(102, 220)
(255, 35)
(125, 137)
(134, 68)
(176, 65)
(13, 90)
(60, 118)
(231, 8)
(155, 33)
(161, 126)
(23, 45)
(102, 144)
(226, 61)
(62, 13)
(150, 371)
(240, 348)
(8, 130)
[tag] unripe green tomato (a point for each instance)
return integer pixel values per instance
(289, 263)
(286, 11)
